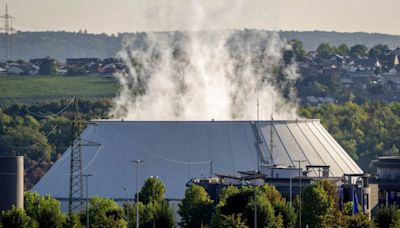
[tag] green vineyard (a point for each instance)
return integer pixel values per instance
(15, 89)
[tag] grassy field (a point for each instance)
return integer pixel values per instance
(36, 89)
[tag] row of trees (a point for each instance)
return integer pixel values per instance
(379, 51)
(326, 50)
(235, 207)
(44, 211)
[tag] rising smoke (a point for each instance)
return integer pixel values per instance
(204, 74)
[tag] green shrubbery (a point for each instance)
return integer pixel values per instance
(234, 207)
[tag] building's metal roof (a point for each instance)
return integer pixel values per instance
(177, 151)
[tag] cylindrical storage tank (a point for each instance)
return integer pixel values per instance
(12, 182)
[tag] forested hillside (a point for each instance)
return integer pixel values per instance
(62, 45)
(364, 131)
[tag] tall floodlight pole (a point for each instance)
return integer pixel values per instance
(127, 205)
(300, 161)
(137, 190)
(86, 176)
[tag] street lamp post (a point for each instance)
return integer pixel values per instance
(127, 206)
(137, 190)
(300, 161)
(255, 202)
(87, 198)
(255, 197)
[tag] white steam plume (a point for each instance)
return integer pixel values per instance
(205, 74)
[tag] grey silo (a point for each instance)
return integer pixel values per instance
(12, 182)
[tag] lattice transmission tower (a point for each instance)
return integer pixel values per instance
(76, 199)
(75, 178)
(7, 33)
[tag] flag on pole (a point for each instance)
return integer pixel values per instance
(355, 202)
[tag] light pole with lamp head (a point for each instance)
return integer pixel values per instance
(127, 205)
(137, 190)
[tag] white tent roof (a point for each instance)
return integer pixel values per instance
(177, 151)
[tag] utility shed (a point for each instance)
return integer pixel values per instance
(177, 151)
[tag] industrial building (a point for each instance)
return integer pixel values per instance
(177, 151)
(387, 179)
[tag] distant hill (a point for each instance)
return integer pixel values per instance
(62, 45)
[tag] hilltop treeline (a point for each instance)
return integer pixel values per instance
(62, 45)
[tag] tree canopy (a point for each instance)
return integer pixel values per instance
(196, 207)
(153, 190)
(236, 205)
(105, 213)
(325, 50)
(358, 50)
(16, 217)
(388, 216)
(48, 67)
(318, 208)
(44, 210)
(343, 50)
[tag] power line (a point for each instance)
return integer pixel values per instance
(53, 114)
(30, 25)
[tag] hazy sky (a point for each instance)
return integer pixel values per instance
(112, 16)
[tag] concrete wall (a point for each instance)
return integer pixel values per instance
(273, 172)
(11, 182)
(373, 198)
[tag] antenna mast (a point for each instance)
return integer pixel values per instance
(258, 137)
(7, 31)
(272, 143)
